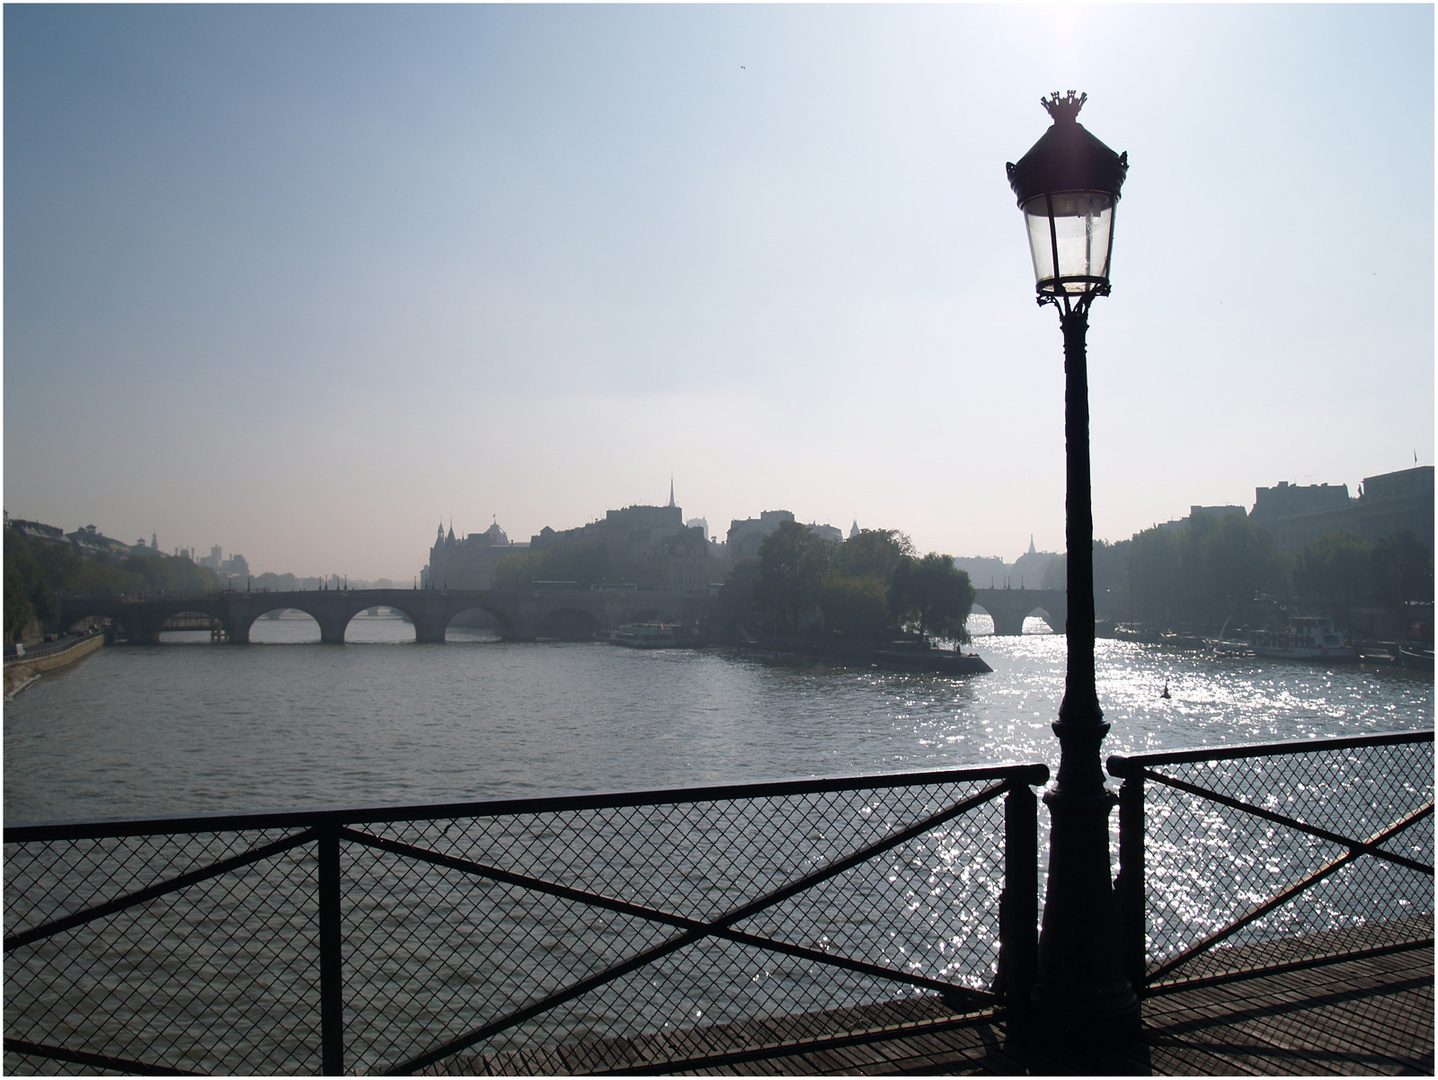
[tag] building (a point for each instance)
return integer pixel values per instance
(35, 530)
(467, 563)
(139, 547)
(991, 572)
(1387, 504)
(1295, 515)
(90, 542)
(648, 546)
(1391, 503)
(1031, 567)
(985, 571)
(745, 536)
(236, 566)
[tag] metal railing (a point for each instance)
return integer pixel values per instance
(588, 933)
(1326, 843)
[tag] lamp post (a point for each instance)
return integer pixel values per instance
(1067, 187)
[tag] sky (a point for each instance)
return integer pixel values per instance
(306, 281)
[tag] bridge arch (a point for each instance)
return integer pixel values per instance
(475, 622)
(283, 624)
(566, 624)
(190, 621)
(1010, 607)
(380, 624)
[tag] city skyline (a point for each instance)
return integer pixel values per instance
(716, 531)
(297, 280)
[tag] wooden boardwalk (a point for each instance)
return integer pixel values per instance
(1366, 1016)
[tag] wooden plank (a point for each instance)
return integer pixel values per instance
(1312, 1029)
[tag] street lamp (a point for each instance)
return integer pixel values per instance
(1068, 186)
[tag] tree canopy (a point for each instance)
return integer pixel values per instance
(38, 574)
(585, 564)
(933, 594)
(866, 587)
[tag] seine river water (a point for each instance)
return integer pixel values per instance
(287, 723)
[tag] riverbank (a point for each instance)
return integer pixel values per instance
(900, 656)
(21, 671)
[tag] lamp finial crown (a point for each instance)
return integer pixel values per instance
(1064, 109)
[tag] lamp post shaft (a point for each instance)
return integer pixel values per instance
(1081, 994)
(1080, 701)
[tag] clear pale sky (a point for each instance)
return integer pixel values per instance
(305, 281)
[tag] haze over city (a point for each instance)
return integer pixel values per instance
(306, 281)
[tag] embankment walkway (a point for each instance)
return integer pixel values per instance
(21, 671)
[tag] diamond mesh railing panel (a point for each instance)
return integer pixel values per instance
(573, 935)
(452, 952)
(182, 979)
(1208, 865)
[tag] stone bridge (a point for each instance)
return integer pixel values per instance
(522, 616)
(1010, 607)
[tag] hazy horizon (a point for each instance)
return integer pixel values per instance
(305, 282)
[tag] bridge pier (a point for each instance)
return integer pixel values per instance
(429, 630)
(1007, 624)
(332, 630)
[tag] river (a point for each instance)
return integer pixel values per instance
(287, 723)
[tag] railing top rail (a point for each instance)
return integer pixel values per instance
(1126, 765)
(1032, 774)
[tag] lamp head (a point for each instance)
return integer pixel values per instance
(1068, 186)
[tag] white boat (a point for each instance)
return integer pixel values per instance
(1308, 637)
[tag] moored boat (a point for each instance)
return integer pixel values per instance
(1416, 657)
(1308, 637)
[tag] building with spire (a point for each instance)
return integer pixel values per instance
(648, 546)
(467, 563)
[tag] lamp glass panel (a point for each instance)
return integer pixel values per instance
(1082, 233)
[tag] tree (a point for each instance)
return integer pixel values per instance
(1201, 570)
(585, 564)
(1400, 569)
(1236, 559)
(793, 563)
(1110, 577)
(22, 575)
(1154, 575)
(736, 599)
(1334, 568)
(857, 607)
(934, 594)
(873, 553)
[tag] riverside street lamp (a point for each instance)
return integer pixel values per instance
(1068, 186)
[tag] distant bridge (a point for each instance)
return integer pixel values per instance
(1010, 607)
(522, 616)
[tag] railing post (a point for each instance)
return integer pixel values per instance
(1019, 903)
(332, 1006)
(1129, 886)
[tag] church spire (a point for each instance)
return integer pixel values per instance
(671, 488)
